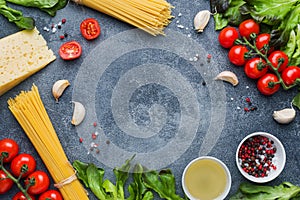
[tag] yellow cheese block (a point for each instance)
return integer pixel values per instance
(21, 55)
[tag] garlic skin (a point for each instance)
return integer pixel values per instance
(59, 87)
(284, 116)
(78, 113)
(201, 20)
(228, 76)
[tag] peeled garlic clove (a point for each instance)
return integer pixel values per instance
(78, 113)
(59, 87)
(284, 116)
(201, 20)
(228, 76)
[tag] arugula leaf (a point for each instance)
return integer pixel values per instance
(284, 191)
(16, 17)
(52, 11)
(163, 183)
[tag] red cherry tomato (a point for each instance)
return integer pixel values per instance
(51, 195)
(227, 37)
(40, 182)
(262, 40)
(70, 50)
(21, 196)
(279, 58)
(24, 163)
(9, 148)
(236, 55)
(255, 68)
(5, 183)
(290, 74)
(247, 27)
(266, 84)
(90, 28)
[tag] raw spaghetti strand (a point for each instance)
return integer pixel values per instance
(151, 16)
(31, 114)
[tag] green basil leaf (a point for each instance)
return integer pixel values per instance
(296, 101)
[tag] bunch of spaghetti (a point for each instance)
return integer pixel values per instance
(31, 114)
(151, 16)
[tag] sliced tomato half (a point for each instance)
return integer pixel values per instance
(90, 28)
(70, 50)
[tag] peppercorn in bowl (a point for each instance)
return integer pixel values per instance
(260, 157)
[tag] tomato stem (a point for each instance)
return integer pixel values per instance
(265, 57)
(16, 181)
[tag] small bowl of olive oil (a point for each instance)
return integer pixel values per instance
(206, 178)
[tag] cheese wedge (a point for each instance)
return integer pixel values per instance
(21, 55)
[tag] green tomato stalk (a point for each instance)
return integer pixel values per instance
(263, 54)
(16, 180)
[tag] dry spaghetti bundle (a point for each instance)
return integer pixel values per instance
(151, 16)
(31, 114)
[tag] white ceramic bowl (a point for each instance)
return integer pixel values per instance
(220, 163)
(278, 160)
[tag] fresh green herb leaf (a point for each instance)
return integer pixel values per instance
(81, 168)
(284, 191)
(16, 16)
(296, 101)
(163, 183)
(95, 181)
(34, 3)
(137, 188)
(231, 16)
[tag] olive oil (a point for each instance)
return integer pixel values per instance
(205, 179)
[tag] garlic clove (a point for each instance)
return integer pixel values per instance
(228, 76)
(78, 113)
(284, 116)
(59, 87)
(201, 20)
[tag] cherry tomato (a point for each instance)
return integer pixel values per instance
(90, 28)
(227, 37)
(70, 50)
(51, 195)
(23, 162)
(40, 182)
(262, 40)
(10, 148)
(290, 74)
(279, 58)
(255, 68)
(236, 55)
(266, 84)
(5, 183)
(247, 27)
(21, 196)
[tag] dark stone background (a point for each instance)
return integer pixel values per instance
(238, 124)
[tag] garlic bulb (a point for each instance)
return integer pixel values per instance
(284, 116)
(228, 76)
(201, 20)
(78, 113)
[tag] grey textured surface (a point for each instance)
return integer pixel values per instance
(147, 96)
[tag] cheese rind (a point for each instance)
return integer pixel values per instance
(21, 55)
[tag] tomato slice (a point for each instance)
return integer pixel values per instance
(70, 50)
(90, 28)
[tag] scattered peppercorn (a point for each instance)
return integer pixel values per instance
(63, 20)
(62, 37)
(80, 140)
